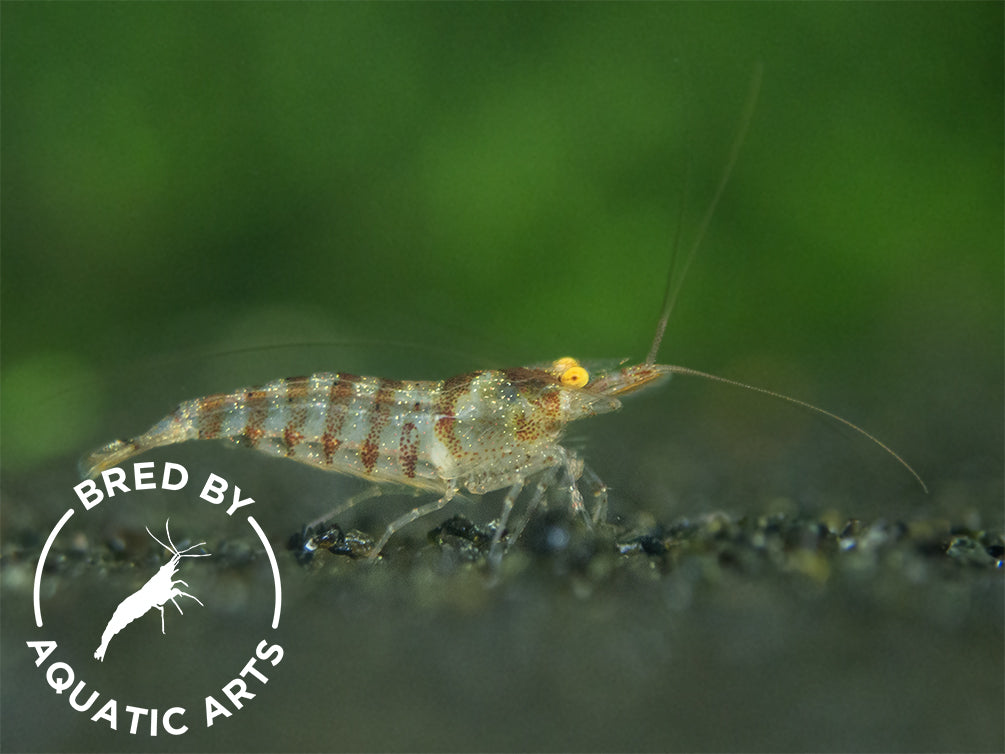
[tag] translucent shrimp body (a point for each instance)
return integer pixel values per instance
(479, 431)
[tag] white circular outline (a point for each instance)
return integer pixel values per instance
(37, 588)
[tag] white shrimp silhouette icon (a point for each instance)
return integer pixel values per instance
(154, 593)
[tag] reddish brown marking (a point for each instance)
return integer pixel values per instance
(444, 429)
(251, 435)
(296, 388)
(297, 398)
(342, 390)
(526, 374)
(211, 410)
(257, 402)
(368, 454)
(459, 382)
(445, 405)
(330, 445)
(379, 416)
(387, 387)
(339, 396)
(291, 437)
(451, 391)
(551, 410)
(550, 404)
(409, 449)
(526, 430)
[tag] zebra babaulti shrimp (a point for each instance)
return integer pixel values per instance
(479, 431)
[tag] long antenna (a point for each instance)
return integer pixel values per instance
(801, 404)
(674, 286)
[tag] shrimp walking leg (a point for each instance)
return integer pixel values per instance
(372, 491)
(413, 515)
(599, 495)
(535, 500)
(508, 502)
(498, 547)
(573, 467)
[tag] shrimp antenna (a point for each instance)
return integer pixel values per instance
(674, 285)
(802, 404)
(172, 548)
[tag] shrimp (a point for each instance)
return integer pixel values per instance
(154, 593)
(480, 431)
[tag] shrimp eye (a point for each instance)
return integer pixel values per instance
(562, 364)
(569, 372)
(575, 376)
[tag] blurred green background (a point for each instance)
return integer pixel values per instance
(505, 180)
(424, 189)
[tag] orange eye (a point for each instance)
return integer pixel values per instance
(575, 376)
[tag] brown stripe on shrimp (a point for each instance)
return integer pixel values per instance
(211, 411)
(297, 391)
(445, 407)
(408, 449)
(256, 401)
(529, 374)
(339, 395)
(383, 401)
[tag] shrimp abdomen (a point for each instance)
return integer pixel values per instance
(363, 426)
